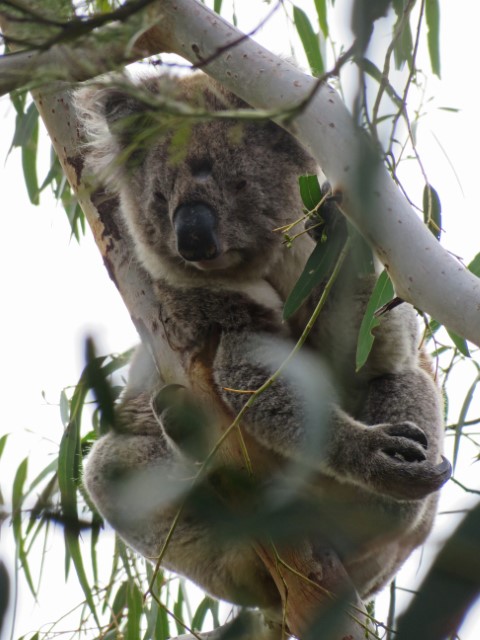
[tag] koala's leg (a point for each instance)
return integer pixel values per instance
(402, 429)
(394, 452)
(138, 478)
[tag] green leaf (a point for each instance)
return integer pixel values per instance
(474, 265)
(64, 408)
(178, 609)
(25, 124)
(26, 137)
(432, 210)
(368, 67)
(460, 343)
(432, 15)
(17, 501)
(310, 191)
(321, 7)
(4, 594)
(3, 442)
(403, 49)
(157, 617)
(382, 293)
(462, 418)
(120, 602)
(217, 6)
(43, 501)
(29, 163)
(69, 473)
(96, 378)
(310, 41)
(318, 268)
(73, 544)
(208, 604)
(135, 606)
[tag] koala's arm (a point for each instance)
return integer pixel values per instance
(393, 450)
(137, 476)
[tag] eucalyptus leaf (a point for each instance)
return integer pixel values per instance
(474, 265)
(310, 41)
(17, 501)
(178, 608)
(321, 7)
(432, 16)
(310, 191)
(319, 266)
(29, 147)
(207, 605)
(381, 294)
(120, 602)
(460, 343)
(432, 210)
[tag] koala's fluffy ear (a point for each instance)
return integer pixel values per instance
(110, 116)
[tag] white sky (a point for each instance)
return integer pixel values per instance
(54, 292)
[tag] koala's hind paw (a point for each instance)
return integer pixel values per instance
(401, 467)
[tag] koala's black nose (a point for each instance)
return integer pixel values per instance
(195, 227)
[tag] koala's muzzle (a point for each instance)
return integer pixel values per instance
(195, 227)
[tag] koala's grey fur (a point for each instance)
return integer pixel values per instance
(382, 447)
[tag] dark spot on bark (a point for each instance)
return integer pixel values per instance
(196, 51)
(110, 270)
(154, 326)
(107, 206)
(77, 162)
(331, 125)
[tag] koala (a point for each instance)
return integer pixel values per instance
(201, 216)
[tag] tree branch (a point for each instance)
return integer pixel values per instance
(87, 55)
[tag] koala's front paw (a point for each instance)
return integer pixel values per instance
(183, 420)
(399, 465)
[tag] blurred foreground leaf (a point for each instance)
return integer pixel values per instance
(450, 588)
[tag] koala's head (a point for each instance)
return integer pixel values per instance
(200, 195)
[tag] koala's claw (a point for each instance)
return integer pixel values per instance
(402, 468)
(408, 430)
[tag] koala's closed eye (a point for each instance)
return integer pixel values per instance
(240, 185)
(159, 198)
(201, 169)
